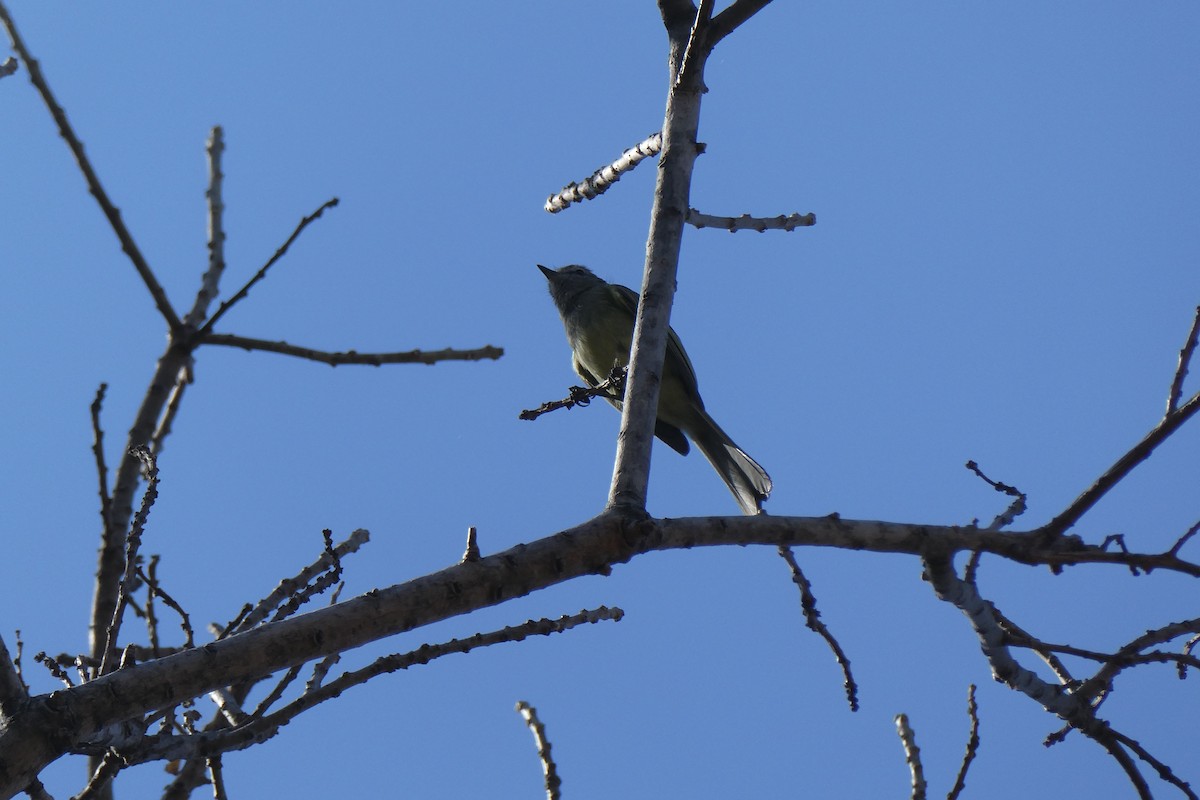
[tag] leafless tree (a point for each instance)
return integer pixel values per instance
(123, 704)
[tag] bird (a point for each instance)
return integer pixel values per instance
(598, 317)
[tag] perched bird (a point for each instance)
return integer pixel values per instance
(599, 318)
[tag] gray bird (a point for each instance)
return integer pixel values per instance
(599, 318)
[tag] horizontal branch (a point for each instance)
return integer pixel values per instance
(50, 725)
(746, 222)
(353, 356)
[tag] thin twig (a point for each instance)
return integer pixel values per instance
(812, 619)
(220, 740)
(185, 621)
(98, 452)
(1019, 637)
(1123, 466)
(1192, 531)
(1162, 770)
(163, 430)
(277, 692)
(302, 594)
(960, 781)
(211, 280)
(549, 769)
(151, 579)
(1185, 360)
(110, 211)
(612, 387)
(53, 668)
(9, 67)
(352, 356)
(1014, 510)
(252, 616)
(262, 273)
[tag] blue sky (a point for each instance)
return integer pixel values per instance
(1003, 269)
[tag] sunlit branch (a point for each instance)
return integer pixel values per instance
(334, 359)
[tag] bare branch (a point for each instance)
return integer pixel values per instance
(53, 668)
(812, 619)
(262, 272)
(731, 19)
(1185, 360)
(1019, 637)
(264, 728)
(302, 594)
(611, 387)
(276, 692)
(587, 549)
(602, 179)
(912, 755)
(696, 40)
(1072, 707)
(549, 769)
(156, 590)
(748, 223)
(217, 777)
(1014, 510)
(1124, 465)
(1164, 772)
(1192, 531)
(165, 423)
(960, 781)
(681, 120)
(289, 586)
(9, 67)
(132, 543)
(352, 356)
(211, 280)
(89, 174)
(106, 769)
(98, 452)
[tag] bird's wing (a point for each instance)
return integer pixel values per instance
(629, 299)
(583, 372)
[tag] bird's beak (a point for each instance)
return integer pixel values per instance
(549, 273)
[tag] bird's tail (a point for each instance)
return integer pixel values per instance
(748, 481)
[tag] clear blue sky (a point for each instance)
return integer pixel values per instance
(1003, 269)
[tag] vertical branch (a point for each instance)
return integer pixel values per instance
(98, 452)
(692, 33)
(129, 578)
(912, 755)
(210, 282)
(1185, 359)
(671, 201)
(111, 564)
(549, 769)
